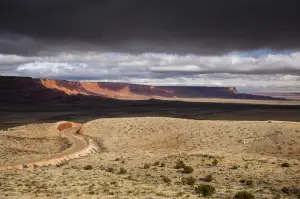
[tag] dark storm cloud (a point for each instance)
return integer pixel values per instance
(195, 26)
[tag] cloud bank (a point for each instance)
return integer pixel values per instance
(137, 26)
(270, 71)
(249, 44)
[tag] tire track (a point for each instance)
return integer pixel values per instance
(81, 146)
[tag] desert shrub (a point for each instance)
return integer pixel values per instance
(277, 196)
(292, 190)
(205, 190)
(146, 166)
(179, 164)
(285, 164)
(208, 178)
(88, 167)
(249, 182)
(180, 194)
(122, 171)
(189, 180)
(166, 179)
(162, 164)
(215, 162)
(92, 192)
(242, 181)
(35, 166)
(25, 166)
(285, 190)
(117, 159)
(244, 195)
(110, 169)
(188, 169)
(156, 163)
(234, 167)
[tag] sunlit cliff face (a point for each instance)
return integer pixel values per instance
(121, 90)
(93, 88)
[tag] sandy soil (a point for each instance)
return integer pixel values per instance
(243, 150)
(30, 142)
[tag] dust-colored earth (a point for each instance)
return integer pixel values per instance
(147, 150)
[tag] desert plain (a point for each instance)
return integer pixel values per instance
(140, 157)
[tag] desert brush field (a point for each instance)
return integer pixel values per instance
(157, 157)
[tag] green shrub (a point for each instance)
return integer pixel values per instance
(243, 195)
(146, 166)
(88, 167)
(285, 164)
(166, 179)
(188, 169)
(122, 171)
(189, 180)
(205, 190)
(208, 178)
(179, 164)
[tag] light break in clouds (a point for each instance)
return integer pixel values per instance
(265, 72)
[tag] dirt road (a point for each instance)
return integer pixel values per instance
(80, 146)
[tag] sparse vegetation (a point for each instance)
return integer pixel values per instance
(292, 191)
(188, 169)
(110, 169)
(208, 178)
(205, 190)
(88, 167)
(249, 182)
(189, 180)
(156, 163)
(215, 162)
(146, 166)
(285, 164)
(25, 166)
(122, 171)
(285, 190)
(234, 167)
(161, 180)
(179, 164)
(277, 196)
(244, 195)
(166, 179)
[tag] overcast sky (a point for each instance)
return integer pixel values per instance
(252, 45)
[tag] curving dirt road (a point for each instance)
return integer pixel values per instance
(80, 146)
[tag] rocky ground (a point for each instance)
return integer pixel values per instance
(155, 157)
